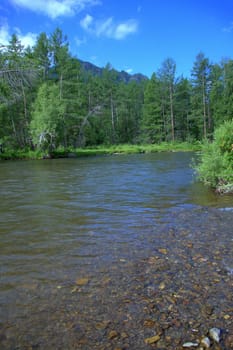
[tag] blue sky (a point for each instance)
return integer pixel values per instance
(132, 35)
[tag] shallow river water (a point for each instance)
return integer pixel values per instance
(108, 252)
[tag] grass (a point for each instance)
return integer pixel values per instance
(20, 154)
(126, 149)
(101, 150)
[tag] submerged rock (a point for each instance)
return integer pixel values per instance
(229, 341)
(190, 344)
(205, 342)
(152, 340)
(82, 281)
(112, 334)
(215, 334)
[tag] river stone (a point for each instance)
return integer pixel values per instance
(215, 334)
(149, 323)
(229, 341)
(152, 340)
(112, 335)
(163, 251)
(205, 342)
(82, 281)
(190, 345)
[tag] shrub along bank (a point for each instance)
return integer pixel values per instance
(216, 164)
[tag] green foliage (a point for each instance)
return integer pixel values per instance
(48, 103)
(216, 166)
(61, 152)
(182, 111)
(152, 122)
(224, 138)
(10, 154)
(201, 82)
(47, 117)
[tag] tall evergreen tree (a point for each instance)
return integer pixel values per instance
(152, 120)
(109, 80)
(201, 82)
(167, 76)
(228, 89)
(41, 53)
(217, 94)
(182, 107)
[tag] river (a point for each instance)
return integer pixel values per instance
(78, 235)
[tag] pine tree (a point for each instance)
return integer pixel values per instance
(182, 107)
(201, 83)
(152, 121)
(167, 78)
(41, 52)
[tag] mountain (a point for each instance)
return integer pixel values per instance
(120, 76)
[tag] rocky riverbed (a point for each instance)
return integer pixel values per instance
(168, 295)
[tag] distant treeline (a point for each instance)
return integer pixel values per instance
(47, 100)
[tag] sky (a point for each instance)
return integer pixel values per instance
(132, 35)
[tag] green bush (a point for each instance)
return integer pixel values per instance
(216, 163)
(224, 138)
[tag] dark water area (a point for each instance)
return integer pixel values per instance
(105, 252)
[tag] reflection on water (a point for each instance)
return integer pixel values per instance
(62, 218)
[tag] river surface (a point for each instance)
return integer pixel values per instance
(72, 230)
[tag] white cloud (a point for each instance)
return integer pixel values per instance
(124, 29)
(27, 39)
(4, 34)
(108, 27)
(56, 8)
(86, 22)
(105, 28)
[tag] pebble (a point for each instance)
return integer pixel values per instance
(82, 281)
(112, 335)
(152, 340)
(215, 334)
(190, 345)
(181, 309)
(229, 341)
(205, 342)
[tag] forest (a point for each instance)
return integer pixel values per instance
(47, 101)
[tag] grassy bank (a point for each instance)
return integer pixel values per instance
(100, 150)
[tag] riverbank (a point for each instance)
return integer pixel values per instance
(225, 189)
(100, 150)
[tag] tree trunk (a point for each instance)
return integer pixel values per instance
(172, 115)
(204, 108)
(61, 86)
(112, 119)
